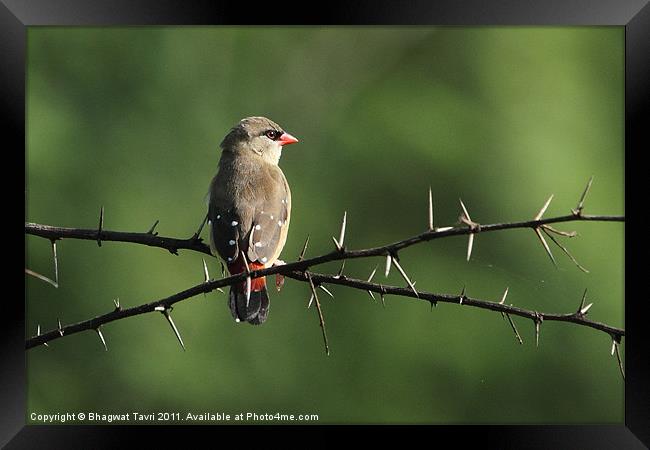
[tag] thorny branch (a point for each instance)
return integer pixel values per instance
(318, 278)
(298, 270)
(173, 245)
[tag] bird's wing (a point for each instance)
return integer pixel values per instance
(270, 223)
(224, 221)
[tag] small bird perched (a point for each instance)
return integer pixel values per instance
(249, 207)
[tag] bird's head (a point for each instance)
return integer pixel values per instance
(258, 135)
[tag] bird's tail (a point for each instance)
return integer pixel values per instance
(254, 309)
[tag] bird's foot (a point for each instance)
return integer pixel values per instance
(279, 278)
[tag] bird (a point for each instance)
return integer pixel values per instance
(249, 209)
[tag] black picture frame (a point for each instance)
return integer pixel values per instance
(634, 15)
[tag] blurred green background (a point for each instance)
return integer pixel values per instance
(502, 117)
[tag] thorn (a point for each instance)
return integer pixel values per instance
(320, 314)
(372, 275)
(560, 232)
(401, 271)
(465, 211)
(613, 346)
(372, 295)
(543, 241)
(514, 328)
(383, 301)
(470, 244)
(503, 299)
(59, 325)
(38, 333)
(468, 221)
(339, 243)
(581, 202)
(304, 248)
(462, 295)
(243, 257)
(538, 321)
(564, 250)
(248, 278)
(165, 312)
(153, 227)
(430, 210)
(40, 277)
(198, 232)
(116, 302)
(441, 229)
(505, 294)
(56, 264)
(326, 290)
(223, 270)
(342, 235)
(100, 227)
(248, 291)
(584, 310)
(618, 358)
(340, 273)
(101, 336)
(543, 210)
(311, 299)
(582, 302)
(205, 271)
(389, 258)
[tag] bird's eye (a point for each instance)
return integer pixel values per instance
(272, 134)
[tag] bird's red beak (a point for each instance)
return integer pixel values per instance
(287, 139)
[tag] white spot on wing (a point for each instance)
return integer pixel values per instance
(231, 242)
(258, 227)
(234, 223)
(218, 216)
(229, 259)
(258, 244)
(279, 223)
(264, 259)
